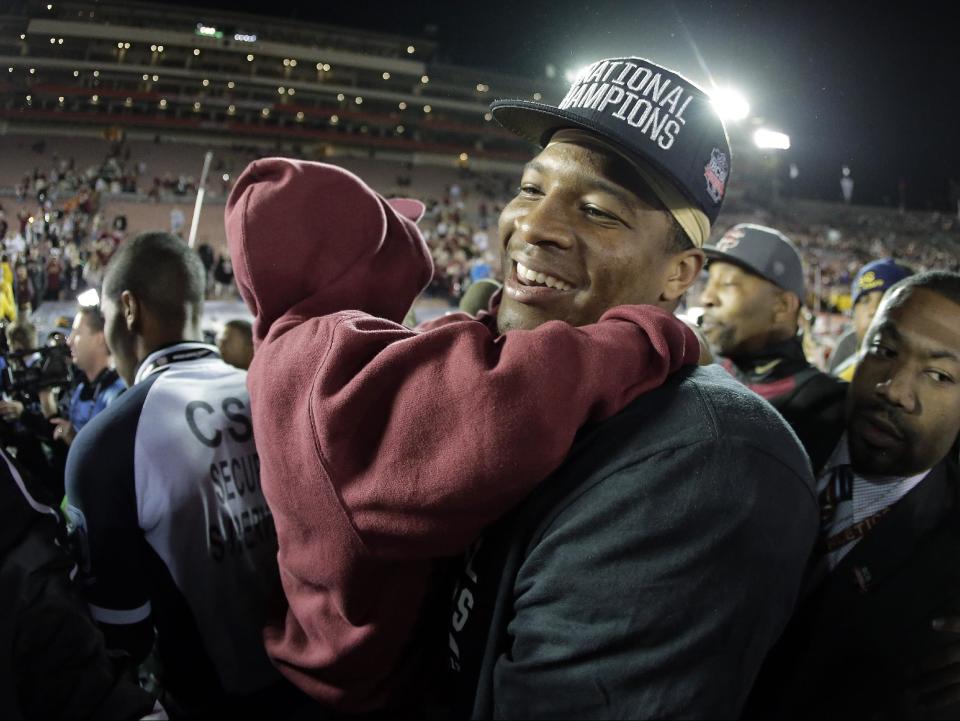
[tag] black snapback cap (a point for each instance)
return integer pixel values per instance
(646, 110)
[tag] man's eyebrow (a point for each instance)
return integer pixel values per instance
(536, 166)
(890, 328)
(943, 354)
(623, 196)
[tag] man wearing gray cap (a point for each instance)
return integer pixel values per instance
(649, 575)
(752, 305)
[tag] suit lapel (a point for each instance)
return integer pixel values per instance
(892, 543)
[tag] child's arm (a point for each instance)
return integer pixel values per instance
(428, 437)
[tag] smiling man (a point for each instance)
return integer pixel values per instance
(871, 639)
(649, 576)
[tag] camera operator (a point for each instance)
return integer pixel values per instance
(23, 428)
(17, 356)
(99, 383)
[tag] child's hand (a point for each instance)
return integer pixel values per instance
(706, 355)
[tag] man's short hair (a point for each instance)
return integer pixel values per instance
(941, 282)
(678, 241)
(160, 271)
(242, 327)
(93, 318)
(22, 333)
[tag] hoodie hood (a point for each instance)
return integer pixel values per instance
(315, 239)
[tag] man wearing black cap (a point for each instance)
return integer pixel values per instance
(751, 313)
(651, 573)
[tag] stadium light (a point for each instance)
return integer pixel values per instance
(766, 139)
(411, 50)
(89, 298)
(730, 104)
(573, 73)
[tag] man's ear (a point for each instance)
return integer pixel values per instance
(130, 308)
(786, 308)
(682, 272)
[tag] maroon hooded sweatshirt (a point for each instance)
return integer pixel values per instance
(382, 448)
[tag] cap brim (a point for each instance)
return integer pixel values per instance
(714, 254)
(408, 207)
(536, 122)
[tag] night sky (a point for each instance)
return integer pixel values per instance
(870, 85)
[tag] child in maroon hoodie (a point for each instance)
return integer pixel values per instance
(382, 448)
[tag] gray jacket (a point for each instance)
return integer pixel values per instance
(650, 575)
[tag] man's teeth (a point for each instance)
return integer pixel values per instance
(541, 278)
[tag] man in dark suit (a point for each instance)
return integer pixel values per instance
(649, 576)
(876, 632)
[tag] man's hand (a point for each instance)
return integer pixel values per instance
(48, 403)
(63, 430)
(11, 410)
(937, 684)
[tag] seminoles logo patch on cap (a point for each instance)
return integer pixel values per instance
(730, 240)
(716, 172)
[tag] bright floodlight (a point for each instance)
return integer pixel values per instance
(730, 104)
(89, 298)
(573, 73)
(771, 140)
